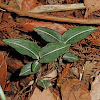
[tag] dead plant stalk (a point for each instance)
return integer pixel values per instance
(51, 18)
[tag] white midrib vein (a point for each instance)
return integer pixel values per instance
(77, 34)
(48, 34)
(26, 48)
(25, 71)
(53, 51)
(43, 84)
(35, 65)
(30, 69)
(70, 57)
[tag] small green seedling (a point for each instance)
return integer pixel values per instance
(57, 45)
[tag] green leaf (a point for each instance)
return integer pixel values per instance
(69, 56)
(48, 35)
(35, 66)
(27, 70)
(24, 47)
(2, 95)
(77, 33)
(52, 51)
(44, 83)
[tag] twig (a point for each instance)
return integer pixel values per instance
(52, 18)
(53, 8)
(19, 93)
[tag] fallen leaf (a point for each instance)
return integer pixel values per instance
(19, 2)
(75, 71)
(3, 71)
(13, 4)
(91, 6)
(74, 89)
(2, 43)
(89, 71)
(64, 74)
(29, 4)
(1, 14)
(95, 89)
(45, 95)
(51, 75)
(14, 64)
(88, 66)
(28, 27)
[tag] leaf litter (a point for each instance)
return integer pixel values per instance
(88, 51)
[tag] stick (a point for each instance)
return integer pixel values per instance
(52, 18)
(53, 8)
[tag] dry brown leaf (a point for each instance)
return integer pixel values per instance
(51, 75)
(95, 89)
(2, 43)
(88, 66)
(28, 27)
(74, 89)
(13, 4)
(75, 71)
(91, 6)
(29, 4)
(3, 71)
(63, 75)
(1, 16)
(19, 2)
(45, 95)
(91, 69)
(14, 64)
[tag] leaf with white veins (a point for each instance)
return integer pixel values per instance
(52, 51)
(71, 57)
(48, 35)
(26, 70)
(44, 83)
(77, 33)
(35, 66)
(24, 47)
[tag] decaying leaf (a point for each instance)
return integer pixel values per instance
(19, 2)
(45, 95)
(28, 27)
(95, 89)
(13, 4)
(90, 69)
(87, 68)
(75, 71)
(3, 71)
(74, 89)
(64, 74)
(14, 64)
(91, 6)
(29, 4)
(51, 75)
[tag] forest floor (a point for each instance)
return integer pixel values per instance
(70, 81)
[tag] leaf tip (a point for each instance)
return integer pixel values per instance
(20, 74)
(34, 28)
(4, 40)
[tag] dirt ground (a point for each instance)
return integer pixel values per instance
(88, 51)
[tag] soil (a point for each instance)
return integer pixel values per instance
(88, 49)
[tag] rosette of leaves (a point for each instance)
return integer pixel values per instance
(57, 45)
